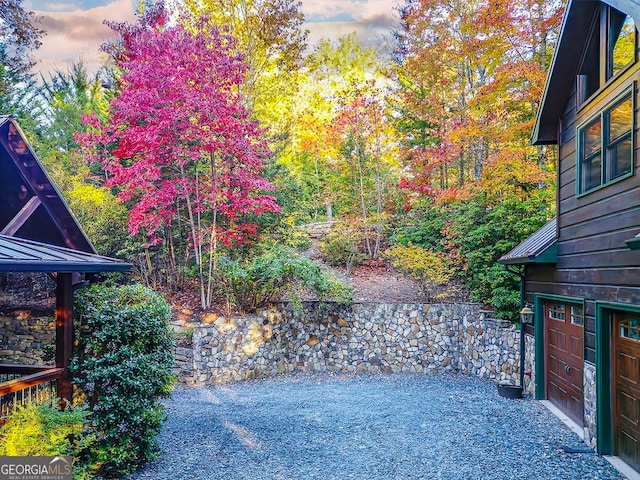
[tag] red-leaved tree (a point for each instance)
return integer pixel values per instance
(178, 144)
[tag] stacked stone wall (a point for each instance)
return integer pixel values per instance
(590, 405)
(363, 337)
(27, 326)
(530, 365)
(25, 336)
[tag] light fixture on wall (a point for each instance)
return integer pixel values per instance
(526, 315)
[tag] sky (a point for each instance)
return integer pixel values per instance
(75, 28)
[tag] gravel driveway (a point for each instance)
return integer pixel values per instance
(365, 427)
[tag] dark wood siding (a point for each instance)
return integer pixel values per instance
(594, 262)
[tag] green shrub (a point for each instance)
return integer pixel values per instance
(43, 430)
(287, 232)
(423, 227)
(431, 269)
(341, 247)
(124, 364)
(278, 270)
(478, 234)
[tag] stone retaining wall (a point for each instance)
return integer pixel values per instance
(364, 337)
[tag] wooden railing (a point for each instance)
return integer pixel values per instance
(22, 384)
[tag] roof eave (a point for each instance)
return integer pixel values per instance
(548, 255)
(82, 241)
(634, 243)
(66, 267)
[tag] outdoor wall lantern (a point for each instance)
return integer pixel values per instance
(526, 315)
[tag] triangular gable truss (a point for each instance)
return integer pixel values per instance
(33, 208)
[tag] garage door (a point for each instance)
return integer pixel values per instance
(564, 324)
(627, 387)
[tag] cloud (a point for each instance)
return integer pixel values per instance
(368, 34)
(382, 20)
(74, 33)
(78, 34)
(358, 10)
(60, 6)
(371, 20)
(84, 29)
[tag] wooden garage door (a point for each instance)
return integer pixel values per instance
(627, 387)
(564, 335)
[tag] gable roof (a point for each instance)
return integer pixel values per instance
(561, 78)
(20, 255)
(541, 247)
(31, 205)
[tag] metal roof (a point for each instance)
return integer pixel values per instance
(21, 255)
(541, 247)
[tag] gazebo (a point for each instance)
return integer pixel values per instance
(38, 233)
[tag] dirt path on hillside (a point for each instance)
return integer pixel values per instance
(374, 281)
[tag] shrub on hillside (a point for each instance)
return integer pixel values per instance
(341, 247)
(123, 364)
(277, 271)
(431, 269)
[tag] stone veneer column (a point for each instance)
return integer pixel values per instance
(529, 365)
(590, 403)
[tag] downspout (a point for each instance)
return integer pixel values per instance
(522, 303)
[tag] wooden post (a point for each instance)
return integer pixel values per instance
(64, 332)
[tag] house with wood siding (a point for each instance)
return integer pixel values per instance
(581, 272)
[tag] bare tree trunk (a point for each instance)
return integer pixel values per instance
(213, 240)
(367, 239)
(377, 155)
(315, 201)
(196, 240)
(479, 154)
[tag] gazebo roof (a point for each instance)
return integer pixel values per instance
(38, 232)
(20, 255)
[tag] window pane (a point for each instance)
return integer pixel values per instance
(590, 137)
(630, 330)
(620, 158)
(589, 73)
(591, 173)
(577, 315)
(620, 119)
(623, 41)
(556, 311)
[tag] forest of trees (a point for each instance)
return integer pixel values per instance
(214, 129)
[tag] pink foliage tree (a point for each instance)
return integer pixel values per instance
(177, 140)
